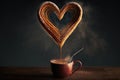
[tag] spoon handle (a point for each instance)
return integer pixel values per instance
(76, 53)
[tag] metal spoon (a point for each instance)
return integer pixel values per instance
(70, 58)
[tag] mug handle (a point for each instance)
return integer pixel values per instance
(80, 65)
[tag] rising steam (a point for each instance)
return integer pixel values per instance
(85, 36)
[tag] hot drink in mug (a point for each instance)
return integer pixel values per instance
(62, 68)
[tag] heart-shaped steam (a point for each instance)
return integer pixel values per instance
(60, 36)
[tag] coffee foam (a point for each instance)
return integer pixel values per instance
(59, 61)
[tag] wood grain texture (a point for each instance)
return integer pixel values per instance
(44, 73)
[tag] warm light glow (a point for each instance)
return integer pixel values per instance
(60, 36)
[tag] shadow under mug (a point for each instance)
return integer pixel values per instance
(63, 70)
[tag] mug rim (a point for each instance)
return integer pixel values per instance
(51, 61)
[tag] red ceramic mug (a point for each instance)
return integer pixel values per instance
(61, 68)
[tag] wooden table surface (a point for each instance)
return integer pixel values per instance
(44, 73)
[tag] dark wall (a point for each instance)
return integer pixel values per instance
(23, 42)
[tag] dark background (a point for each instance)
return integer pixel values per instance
(23, 42)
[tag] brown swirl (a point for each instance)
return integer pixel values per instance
(60, 35)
